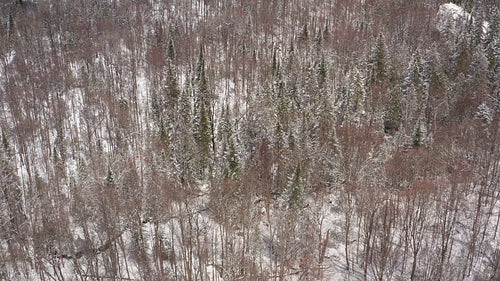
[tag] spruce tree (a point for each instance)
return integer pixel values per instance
(357, 96)
(295, 192)
(203, 115)
(379, 64)
(171, 50)
(392, 118)
(417, 137)
(171, 90)
(204, 137)
(227, 141)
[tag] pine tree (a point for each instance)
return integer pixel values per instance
(184, 105)
(11, 208)
(356, 96)
(294, 191)
(414, 93)
(476, 27)
(201, 79)
(110, 179)
(171, 50)
(322, 72)
(392, 118)
(11, 25)
(477, 74)
(204, 135)
(228, 146)
(5, 141)
(275, 64)
(184, 148)
(378, 62)
(462, 55)
(203, 115)
(417, 137)
(171, 90)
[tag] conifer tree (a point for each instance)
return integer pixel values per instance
(357, 96)
(417, 137)
(171, 89)
(171, 50)
(322, 72)
(204, 137)
(110, 179)
(295, 192)
(392, 116)
(476, 27)
(203, 115)
(378, 62)
(227, 141)
(11, 25)
(461, 56)
(184, 105)
(414, 94)
(11, 209)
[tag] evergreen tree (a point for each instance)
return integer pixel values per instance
(322, 72)
(203, 115)
(295, 192)
(11, 25)
(184, 146)
(437, 86)
(184, 105)
(11, 208)
(476, 27)
(417, 137)
(461, 57)
(171, 50)
(171, 89)
(201, 79)
(414, 93)
(378, 61)
(357, 96)
(228, 146)
(5, 141)
(110, 179)
(477, 74)
(204, 137)
(392, 118)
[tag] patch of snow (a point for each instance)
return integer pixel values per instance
(451, 17)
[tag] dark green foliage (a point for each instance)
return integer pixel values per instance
(379, 61)
(171, 90)
(204, 131)
(393, 114)
(295, 191)
(110, 179)
(228, 144)
(322, 72)
(171, 50)
(5, 141)
(11, 25)
(462, 56)
(201, 78)
(417, 137)
(275, 64)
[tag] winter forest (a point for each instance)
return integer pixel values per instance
(249, 140)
